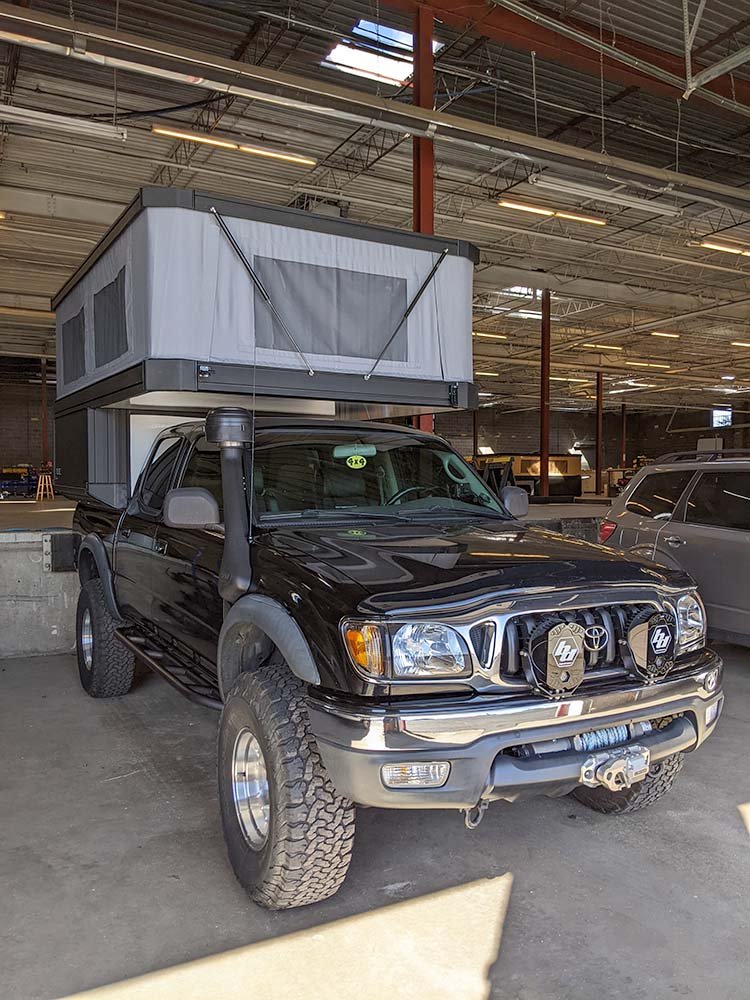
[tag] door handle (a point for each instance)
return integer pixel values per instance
(126, 532)
(674, 541)
(160, 547)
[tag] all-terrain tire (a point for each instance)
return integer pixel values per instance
(657, 783)
(105, 666)
(310, 827)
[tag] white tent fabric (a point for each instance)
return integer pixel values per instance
(187, 295)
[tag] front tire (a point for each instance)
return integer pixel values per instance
(654, 786)
(105, 666)
(289, 834)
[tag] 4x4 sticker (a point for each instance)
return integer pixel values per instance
(356, 461)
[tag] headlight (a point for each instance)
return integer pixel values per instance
(429, 650)
(402, 651)
(691, 623)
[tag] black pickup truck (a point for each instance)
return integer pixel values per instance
(377, 628)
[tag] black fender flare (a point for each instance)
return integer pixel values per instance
(259, 621)
(95, 547)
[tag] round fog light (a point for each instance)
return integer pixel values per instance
(711, 680)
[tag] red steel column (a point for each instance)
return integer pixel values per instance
(43, 408)
(544, 398)
(423, 161)
(599, 433)
(623, 436)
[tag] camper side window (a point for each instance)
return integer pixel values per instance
(158, 474)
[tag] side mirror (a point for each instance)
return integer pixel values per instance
(191, 507)
(515, 500)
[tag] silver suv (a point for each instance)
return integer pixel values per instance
(692, 510)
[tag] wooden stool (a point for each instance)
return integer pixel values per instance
(44, 489)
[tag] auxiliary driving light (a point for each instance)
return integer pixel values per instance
(430, 774)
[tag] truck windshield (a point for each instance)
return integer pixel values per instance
(302, 471)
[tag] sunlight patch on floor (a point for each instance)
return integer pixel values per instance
(436, 947)
(745, 814)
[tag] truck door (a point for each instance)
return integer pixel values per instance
(712, 542)
(188, 606)
(136, 566)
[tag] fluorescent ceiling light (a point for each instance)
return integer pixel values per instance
(486, 395)
(614, 392)
(658, 333)
(519, 206)
(2, 215)
(490, 336)
(603, 347)
(602, 194)
(724, 248)
(740, 343)
(219, 143)
(581, 218)
(567, 378)
(63, 123)
(728, 378)
(649, 364)
(488, 374)
(529, 314)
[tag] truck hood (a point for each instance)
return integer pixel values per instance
(400, 565)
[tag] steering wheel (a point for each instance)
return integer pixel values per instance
(400, 494)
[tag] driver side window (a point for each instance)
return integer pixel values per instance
(157, 476)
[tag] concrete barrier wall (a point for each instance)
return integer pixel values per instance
(37, 602)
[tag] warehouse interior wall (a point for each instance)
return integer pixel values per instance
(21, 424)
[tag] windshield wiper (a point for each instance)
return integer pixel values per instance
(324, 512)
(478, 512)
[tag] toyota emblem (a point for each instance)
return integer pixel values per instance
(595, 638)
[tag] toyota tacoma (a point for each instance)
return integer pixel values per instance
(378, 628)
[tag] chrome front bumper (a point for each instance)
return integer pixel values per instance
(355, 744)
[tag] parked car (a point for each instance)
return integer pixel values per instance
(377, 628)
(692, 511)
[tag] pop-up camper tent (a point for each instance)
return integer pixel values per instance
(190, 301)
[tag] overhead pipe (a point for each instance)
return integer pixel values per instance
(106, 47)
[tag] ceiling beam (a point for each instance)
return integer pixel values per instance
(48, 204)
(575, 44)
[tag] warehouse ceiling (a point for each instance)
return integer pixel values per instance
(565, 149)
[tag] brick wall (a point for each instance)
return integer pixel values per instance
(21, 424)
(648, 434)
(518, 432)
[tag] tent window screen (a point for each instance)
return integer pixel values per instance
(330, 310)
(74, 358)
(110, 328)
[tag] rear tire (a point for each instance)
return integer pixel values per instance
(105, 666)
(289, 834)
(656, 784)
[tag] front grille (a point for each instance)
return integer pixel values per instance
(599, 666)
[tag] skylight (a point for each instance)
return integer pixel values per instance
(383, 61)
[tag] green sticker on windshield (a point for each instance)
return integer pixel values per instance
(356, 461)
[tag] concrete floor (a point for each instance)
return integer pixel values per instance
(112, 866)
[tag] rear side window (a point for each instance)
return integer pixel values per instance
(658, 493)
(721, 499)
(158, 475)
(204, 470)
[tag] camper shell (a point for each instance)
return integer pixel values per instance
(163, 320)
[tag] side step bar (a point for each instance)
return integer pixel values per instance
(187, 681)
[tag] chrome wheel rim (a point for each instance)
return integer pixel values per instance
(250, 789)
(87, 639)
